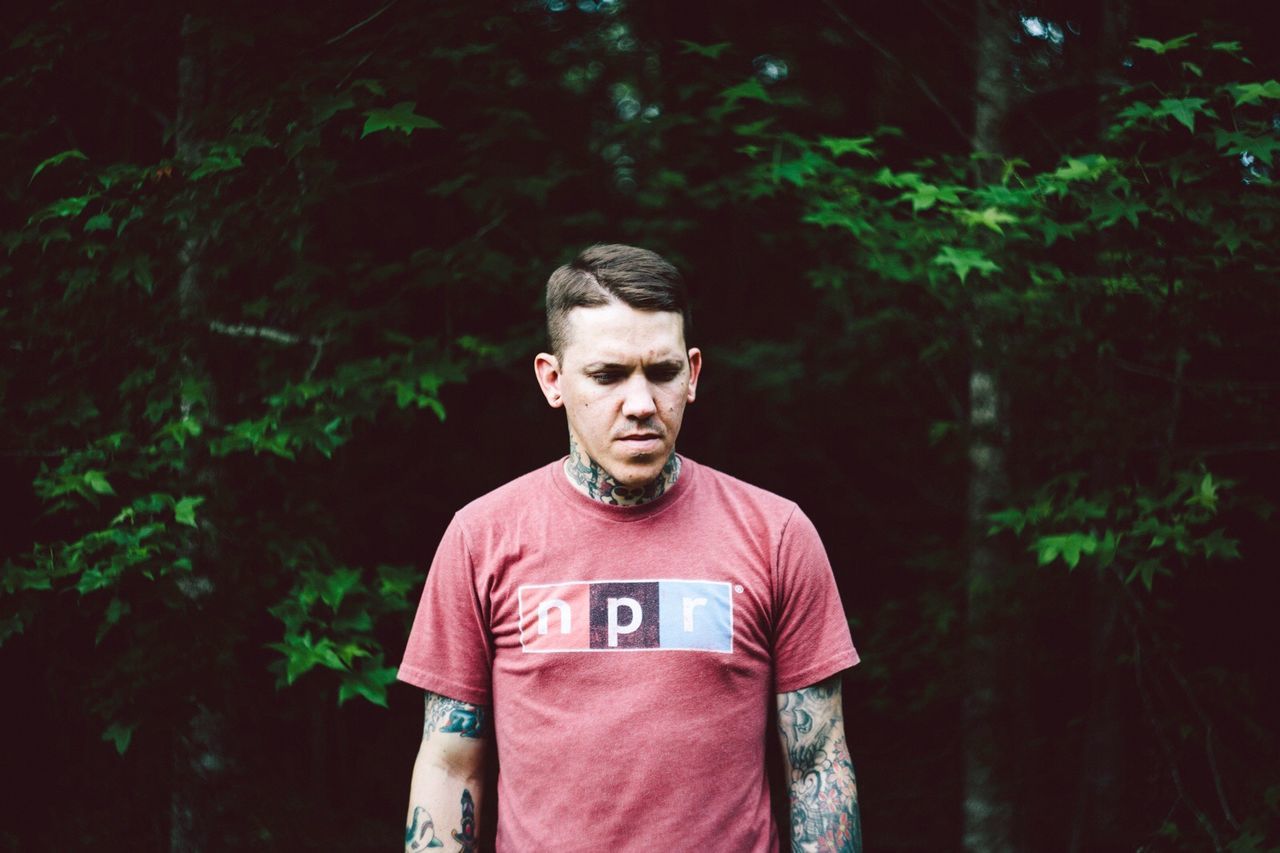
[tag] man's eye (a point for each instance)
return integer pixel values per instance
(606, 377)
(664, 374)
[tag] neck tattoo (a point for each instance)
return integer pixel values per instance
(594, 482)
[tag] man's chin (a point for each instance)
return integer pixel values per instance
(636, 473)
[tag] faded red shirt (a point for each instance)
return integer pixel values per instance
(630, 655)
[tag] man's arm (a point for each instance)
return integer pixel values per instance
(448, 776)
(824, 794)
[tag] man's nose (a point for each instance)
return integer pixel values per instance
(638, 400)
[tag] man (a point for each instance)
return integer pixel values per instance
(617, 622)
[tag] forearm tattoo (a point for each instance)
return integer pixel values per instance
(824, 792)
(421, 832)
(449, 715)
(599, 485)
(445, 715)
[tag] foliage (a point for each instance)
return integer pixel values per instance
(233, 343)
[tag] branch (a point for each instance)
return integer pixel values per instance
(887, 54)
(1166, 748)
(357, 26)
(1214, 384)
(240, 330)
(278, 336)
(1192, 700)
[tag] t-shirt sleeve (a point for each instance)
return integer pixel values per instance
(449, 650)
(811, 635)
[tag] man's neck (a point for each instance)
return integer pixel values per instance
(594, 482)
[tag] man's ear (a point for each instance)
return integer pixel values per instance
(547, 368)
(695, 370)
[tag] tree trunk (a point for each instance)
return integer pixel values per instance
(199, 748)
(988, 804)
(1101, 785)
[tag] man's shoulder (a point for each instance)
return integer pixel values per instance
(713, 482)
(521, 493)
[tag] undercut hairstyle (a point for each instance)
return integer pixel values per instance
(599, 275)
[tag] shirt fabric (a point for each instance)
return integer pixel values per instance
(630, 655)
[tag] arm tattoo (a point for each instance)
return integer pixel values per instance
(421, 832)
(466, 837)
(449, 715)
(824, 792)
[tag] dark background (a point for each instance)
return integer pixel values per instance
(229, 146)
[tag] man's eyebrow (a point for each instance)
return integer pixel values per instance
(613, 365)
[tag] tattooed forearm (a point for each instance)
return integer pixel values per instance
(447, 790)
(824, 793)
(596, 482)
(449, 715)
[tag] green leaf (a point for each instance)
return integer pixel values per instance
(401, 117)
(116, 609)
(1163, 47)
(120, 734)
(1184, 110)
(1218, 545)
(839, 146)
(336, 586)
(1147, 570)
(924, 196)
(963, 260)
(184, 511)
(1083, 168)
(97, 480)
(98, 222)
(1193, 68)
(750, 90)
(709, 51)
(1011, 519)
(1262, 147)
(1250, 93)
(56, 159)
(991, 217)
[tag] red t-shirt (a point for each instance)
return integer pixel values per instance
(630, 655)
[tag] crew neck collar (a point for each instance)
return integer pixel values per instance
(682, 486)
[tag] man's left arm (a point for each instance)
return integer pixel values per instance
(824, 793)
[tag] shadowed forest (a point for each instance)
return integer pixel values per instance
(989, 289)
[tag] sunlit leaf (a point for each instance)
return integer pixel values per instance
(964, 260)
(184, 511)
(1162, 47)
(56, 159)
(1252, 93)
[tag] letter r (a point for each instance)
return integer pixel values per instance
(614, 628)
(691, 604)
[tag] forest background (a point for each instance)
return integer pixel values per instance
(988, 288)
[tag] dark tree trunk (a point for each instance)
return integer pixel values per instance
(199, 746)
(988, 805)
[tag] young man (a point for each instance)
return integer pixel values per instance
(617, 622)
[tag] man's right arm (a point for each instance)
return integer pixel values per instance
(448, 776)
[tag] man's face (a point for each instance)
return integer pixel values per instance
(624, 379)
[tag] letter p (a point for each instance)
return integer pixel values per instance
(632, 624)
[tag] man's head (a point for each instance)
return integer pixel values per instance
(619, 366)
(604, 273)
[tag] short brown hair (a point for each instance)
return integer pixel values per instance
(638, 277)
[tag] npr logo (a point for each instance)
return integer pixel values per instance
(602, 616)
